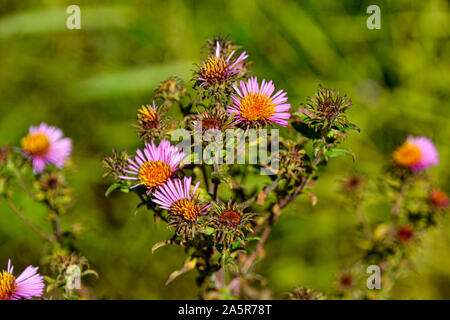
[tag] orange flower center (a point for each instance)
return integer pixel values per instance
(257, 107)
(407, 155)
(186, 208)
(147, 114)
(36, 144)
(230, 218)
(214, 69)
(7, 285)
(154, 173)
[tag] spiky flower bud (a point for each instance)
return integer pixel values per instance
(171, 90)
(326, 110)
(291, 160)
(115, 164)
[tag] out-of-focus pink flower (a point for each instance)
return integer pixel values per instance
(46, 145)
(417, 153)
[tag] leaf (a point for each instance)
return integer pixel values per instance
(49, 279)
(188, 266)
(90, 271)
(253, 239)
(208, 230)
(313, 198)
(112, 187)
(353, 126)
(302, 116)
(305, 130)
(160, 244)
(125, 189)
(339, 152)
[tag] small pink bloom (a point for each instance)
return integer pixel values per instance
(46, 145)
(417, 153)
(153, 166)
(177, 197)
(255, 104)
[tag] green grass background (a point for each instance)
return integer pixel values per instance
(91, 81)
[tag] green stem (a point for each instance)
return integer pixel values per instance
(28, 222)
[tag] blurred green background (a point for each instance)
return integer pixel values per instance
(90, 82)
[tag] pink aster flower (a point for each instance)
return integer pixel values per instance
(256, 105)
(153, 166)
(416, 154)
(46, 145)
(26, 286)
(177, 197)
(219, 69)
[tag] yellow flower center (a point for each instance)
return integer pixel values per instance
(186, 208)
(230, 218)
(257, 107)
(147, 114)
(36, 144)
(214, 69)
(407, 155)
(7, 285)
(154, 173)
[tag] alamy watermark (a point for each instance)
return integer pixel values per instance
(73, 277)
(374, 280)
(232, 146)
(74, 20)
(374, 20)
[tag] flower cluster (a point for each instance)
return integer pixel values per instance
(213, 215)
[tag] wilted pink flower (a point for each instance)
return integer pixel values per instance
(153, 166)
(45, 145)
(176, 196)
(417, 154)
(26, 286)
(255, 105)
